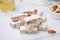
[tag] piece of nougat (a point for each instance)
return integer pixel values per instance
(33, 19)
(17, 18)
(29, 13)
(17, 24)
(43, 26)
(31, 29)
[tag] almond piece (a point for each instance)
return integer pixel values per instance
(53, 8)
(57, 11)
(51, 31)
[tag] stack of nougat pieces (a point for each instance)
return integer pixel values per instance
(29, 22)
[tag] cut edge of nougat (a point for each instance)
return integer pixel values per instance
(43, 26)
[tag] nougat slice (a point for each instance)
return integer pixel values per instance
(34, 19)
(17, 18)
(31, 29)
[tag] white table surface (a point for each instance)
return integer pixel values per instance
(7, 33)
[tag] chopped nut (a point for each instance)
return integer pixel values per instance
(35, 11)
(51, 31)
(57, 10)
